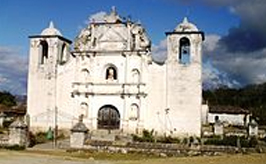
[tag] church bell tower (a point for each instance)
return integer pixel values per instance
(47, 51)
(183, 78)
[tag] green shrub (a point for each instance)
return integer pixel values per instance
(136, 138)
(38, 138)
(41, 137)
(232, 141)
(185, 141)
(263, 139)
(253, 142)
(2, 131)
(7, 123)
(13, 147)
(168, 139)
(147, 136)
(31, 140)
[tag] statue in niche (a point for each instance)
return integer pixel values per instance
(111, 75)
(141, 39)
(83, 40)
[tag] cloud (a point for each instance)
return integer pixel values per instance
(213, 78)
(159, 52)
(250, 35)
(248, 68)
(241, 68)
(97, 17)
(222, 67)
(239, 57)
(13, 70)
(210, 43)
(241, 54)
(2, 79)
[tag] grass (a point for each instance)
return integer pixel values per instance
(94, 155)
(225, 159)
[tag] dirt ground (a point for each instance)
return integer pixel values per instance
(21, 157)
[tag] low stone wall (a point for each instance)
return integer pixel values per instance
(209, 131)
(4, 140)
(82, 140)
(161, 149)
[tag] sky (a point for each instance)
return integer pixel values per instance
(234, 51)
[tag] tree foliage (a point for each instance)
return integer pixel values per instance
(7, 99)
(252, 98)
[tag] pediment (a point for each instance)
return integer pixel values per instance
(111, 35)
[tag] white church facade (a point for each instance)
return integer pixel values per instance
(110, 78)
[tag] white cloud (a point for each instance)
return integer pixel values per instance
(97, 17)
(213, 78)
(249, 68)
(13, 70)
(223, 68)
(159, 52)
(237, 68)
(2, 79)
(210, 42)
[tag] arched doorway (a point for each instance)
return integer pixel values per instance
(108, 117)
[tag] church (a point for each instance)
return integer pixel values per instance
(107, 76)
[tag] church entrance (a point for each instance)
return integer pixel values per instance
(108, 117)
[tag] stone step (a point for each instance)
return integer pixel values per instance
(109, 135)
(102, 135)
(105, 132)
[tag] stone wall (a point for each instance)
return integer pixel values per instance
(162, 149)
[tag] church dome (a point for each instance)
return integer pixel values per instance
(51, 30)
(186, 26)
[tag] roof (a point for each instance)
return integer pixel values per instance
(21, 109)
(227, 110)
(18, 124)
(186, 26)
(51, 30)
(79, 127)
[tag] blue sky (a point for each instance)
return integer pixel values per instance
(222, 21)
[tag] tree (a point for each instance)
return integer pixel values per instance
(251, 97)
(7, 99)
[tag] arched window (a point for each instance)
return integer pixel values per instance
(135, 76)
(134, 112)
(83, 110)
(184, 51)
(111, 73)
(63, 54)
(85, 75)
(44, 51)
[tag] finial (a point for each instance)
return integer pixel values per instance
(51, 25)
(113, 10)
(185, 20)
(81, 118)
